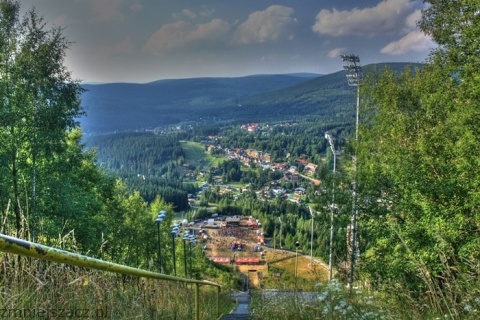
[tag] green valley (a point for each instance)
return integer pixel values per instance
(279, 188)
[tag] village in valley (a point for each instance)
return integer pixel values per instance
(302, 170)
(238, 241)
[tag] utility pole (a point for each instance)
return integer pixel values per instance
(311, 238)
(274, 238)
(281, 225)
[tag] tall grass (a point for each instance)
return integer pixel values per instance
(454, 295)
(457, 296)
(329, 301)
(36, 289)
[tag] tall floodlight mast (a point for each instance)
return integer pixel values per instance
(333, 206)
(354, 75)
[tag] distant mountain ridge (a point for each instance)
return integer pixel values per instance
(132, 106)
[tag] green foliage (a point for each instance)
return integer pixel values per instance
(146, 162)
(417, 164)
(143, 153)
(38, 107)
(419, 154)
(71, 196)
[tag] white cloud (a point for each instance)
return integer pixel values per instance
(272, 24)
(182, 34)
(206, 12)
(412, 20)
(213, 30)
(388, 17)
(335, 53)
(189, 14)
(123, 48)
(414, 41)
(185, 13)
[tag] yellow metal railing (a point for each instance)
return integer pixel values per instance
(35, 250)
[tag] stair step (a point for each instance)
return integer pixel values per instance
(232, 316)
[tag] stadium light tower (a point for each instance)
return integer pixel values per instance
(333, 206)
(354, 75)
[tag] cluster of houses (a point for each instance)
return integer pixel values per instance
(248, 156)
(278, 192)
(290, 172)
(250, 127)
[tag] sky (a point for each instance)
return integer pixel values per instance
(147, 40)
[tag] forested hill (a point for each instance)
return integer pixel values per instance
(128, 106)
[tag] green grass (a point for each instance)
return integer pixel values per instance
(215, 161)
(238, 185)
(194, 151)
(195, 154)
(226, 304)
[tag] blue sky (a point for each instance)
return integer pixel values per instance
(146, 40)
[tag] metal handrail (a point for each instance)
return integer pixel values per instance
(39, 251)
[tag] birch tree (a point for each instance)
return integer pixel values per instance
(38, 106)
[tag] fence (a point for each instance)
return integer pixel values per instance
(30, 249)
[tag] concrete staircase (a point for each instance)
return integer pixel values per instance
(241, 311)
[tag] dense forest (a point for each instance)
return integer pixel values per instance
(169, 102)
(146, 162)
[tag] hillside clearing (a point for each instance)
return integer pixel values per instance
(194, 151)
